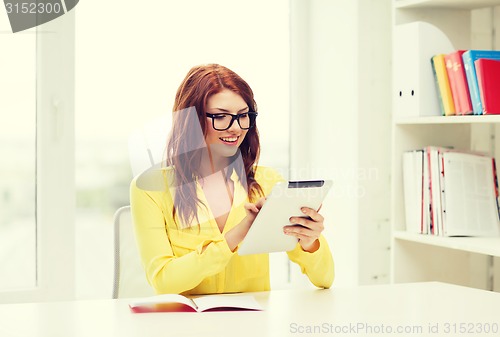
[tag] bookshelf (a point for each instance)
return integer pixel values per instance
(447, 120)
(456, 24)
(453, 4)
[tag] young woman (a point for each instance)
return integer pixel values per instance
(188, 231)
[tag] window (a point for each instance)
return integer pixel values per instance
(18, 153)
(37, 166)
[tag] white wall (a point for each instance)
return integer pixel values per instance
(374, 136)
(341, 126)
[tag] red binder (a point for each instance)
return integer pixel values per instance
(488, 79)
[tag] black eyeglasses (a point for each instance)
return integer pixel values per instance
(223, 121)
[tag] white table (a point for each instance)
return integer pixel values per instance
(426, 309)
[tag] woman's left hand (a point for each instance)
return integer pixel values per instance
(306, 229)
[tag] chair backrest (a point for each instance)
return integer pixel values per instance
(146, 150)
(129, 277)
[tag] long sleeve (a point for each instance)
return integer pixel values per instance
(318, 266)
(166, 272)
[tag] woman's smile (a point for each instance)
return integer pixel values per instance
(232, 140)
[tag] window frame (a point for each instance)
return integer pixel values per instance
(55, 183)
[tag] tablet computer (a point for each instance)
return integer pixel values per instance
(285, 200)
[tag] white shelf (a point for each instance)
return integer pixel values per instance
(481, 245)
(457, 4)
(483, 119)
(423, 28)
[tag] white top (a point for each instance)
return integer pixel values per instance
(434, 309)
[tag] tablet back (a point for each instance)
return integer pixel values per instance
(285, 200)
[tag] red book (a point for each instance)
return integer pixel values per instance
(488, 79)
(458, 82)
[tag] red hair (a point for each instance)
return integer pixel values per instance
(185, 145)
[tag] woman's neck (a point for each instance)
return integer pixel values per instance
(211, 163)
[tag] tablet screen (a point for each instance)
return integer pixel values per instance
(285, 200)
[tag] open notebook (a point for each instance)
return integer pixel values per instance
(180, 303)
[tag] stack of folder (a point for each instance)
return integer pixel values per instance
(468, 82)
(450, 193)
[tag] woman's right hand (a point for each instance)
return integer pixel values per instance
(238, 232)
(253, 209)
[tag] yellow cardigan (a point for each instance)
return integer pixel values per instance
(174, 259)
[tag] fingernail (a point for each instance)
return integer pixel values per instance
(304, 210)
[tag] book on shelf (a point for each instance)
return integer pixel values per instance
(426, 220)
(416, 190)
(488, 78)
(462, 193)
(471, 203)
(442, 85)
(469, 57)
(433, 165)
(458, 82)
(180, 303)
(413, 188)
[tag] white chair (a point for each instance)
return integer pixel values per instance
(146, 149)
(129, 276)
